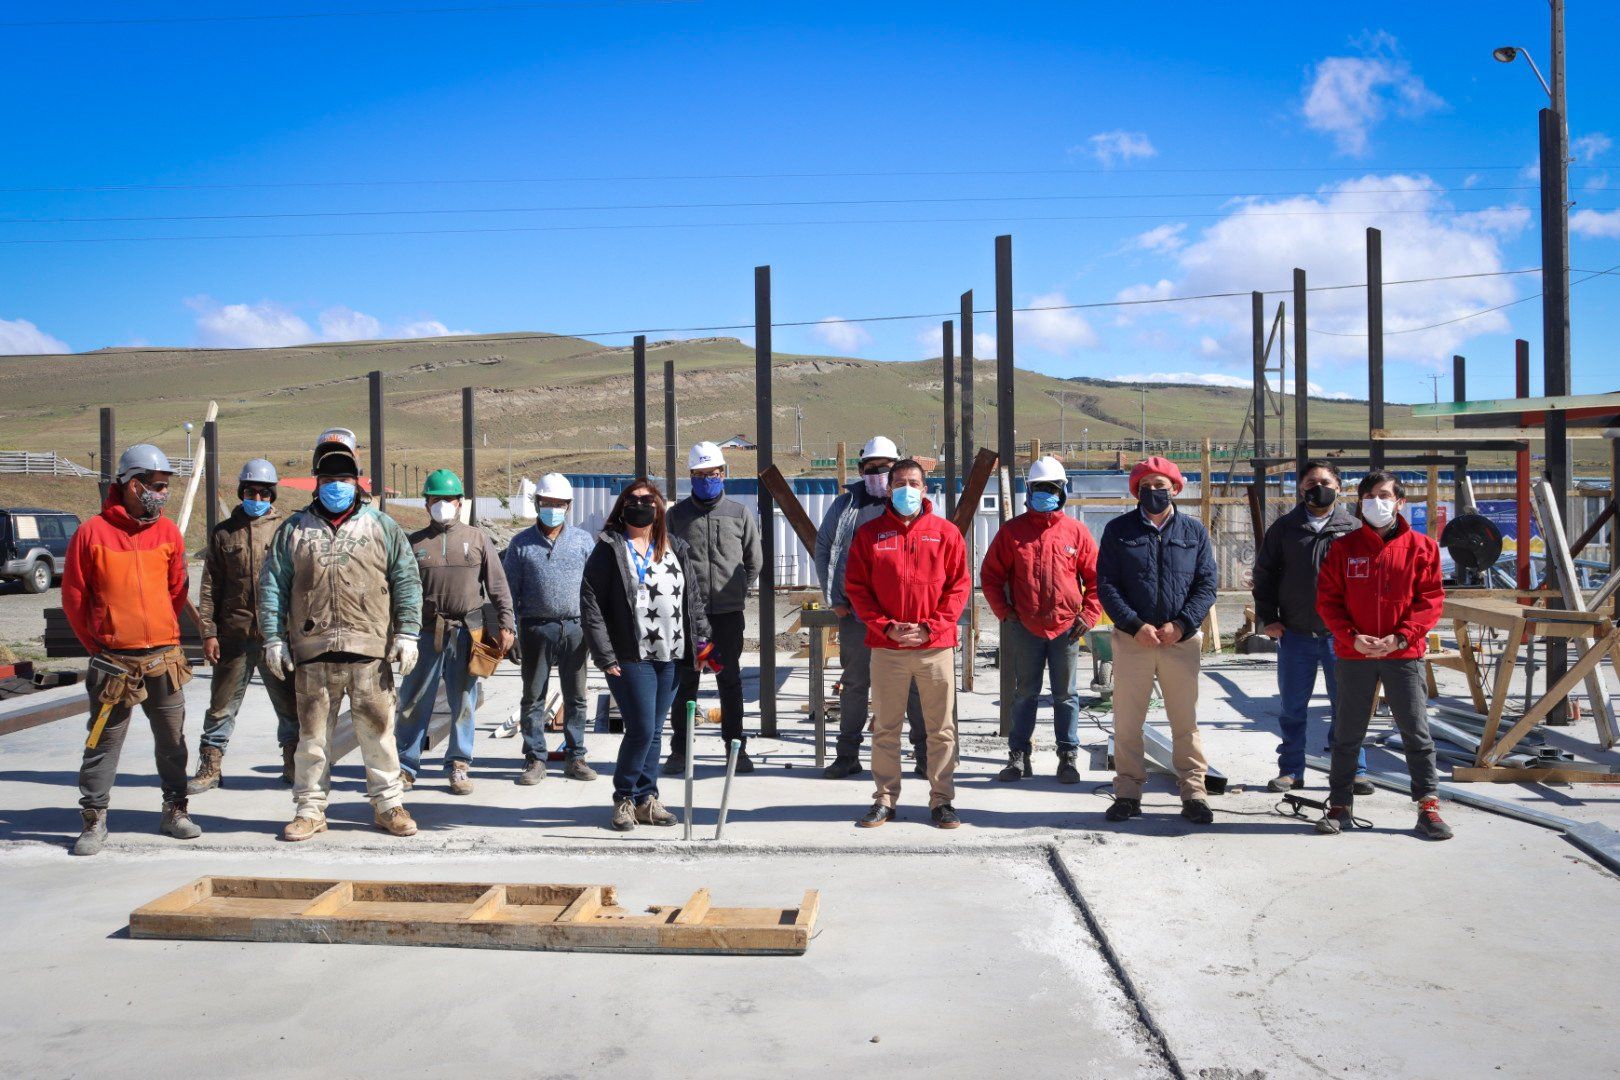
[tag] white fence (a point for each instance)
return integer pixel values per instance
(43, 463)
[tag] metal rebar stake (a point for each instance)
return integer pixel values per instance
(691, 722)
(725, 792)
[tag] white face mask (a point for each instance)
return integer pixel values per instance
(444, 512)
(1377, 512)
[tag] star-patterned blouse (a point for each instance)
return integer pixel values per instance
(659, 612)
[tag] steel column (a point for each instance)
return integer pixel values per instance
(1521, 483)
(640, 365)
(969, 446)
(109, 450)
(1459, 379)
(210, 475)
(1375, 339)
(1006, 436)
(670, 428)
(1555, 344)
(469, 455)
(1302, 383)
(948, 365)
(767, 511)
(374, 389)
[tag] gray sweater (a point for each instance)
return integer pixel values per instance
(848, 512)
(725, 551)
(544, 576)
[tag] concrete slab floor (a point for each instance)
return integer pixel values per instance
(1256, 947)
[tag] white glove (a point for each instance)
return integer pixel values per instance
(403, 653)
(278, 659)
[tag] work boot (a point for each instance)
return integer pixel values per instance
(302, 828)
(1429, 822)
(1285, 782)
(842, 767)
(177, 823)
(406, 780)
(878, 815)
(1067, 772)
(944, 816)
(651, 812)
(287, 752)
(674, 765)
(744, 762)
(396, 822)
(1363, 786)
(1017, 767)
(1335, 821)
(1124, 809)
(624, 814)
(208, 776)
(94, 836)
(460, 782)
(1197, 811)
(534, 771)
(579, 769)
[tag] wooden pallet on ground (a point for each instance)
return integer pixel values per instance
(563, 918)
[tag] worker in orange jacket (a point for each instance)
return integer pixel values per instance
(123, 590)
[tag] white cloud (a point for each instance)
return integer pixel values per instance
(1117, 147)
(1216, 378)
(1208, 346)
(1260, 242)
(1588, 148)
(424, 328)
(840, 334)
(1596, 224)
(19, 337)
(265, 325)
(1349, 95)
(346, 324)
(1060, 332)
(1162, 239)
(1598, 182)
(984, 345)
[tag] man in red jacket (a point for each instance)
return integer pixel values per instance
(1040, 579)
(122, 591)
(907, 581)
(1380, 594)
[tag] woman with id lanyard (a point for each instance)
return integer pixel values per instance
(641, 622)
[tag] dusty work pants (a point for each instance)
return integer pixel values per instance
(238, 660)
(165, 709)
(1408, 698)
(322, 685)
(855, 657)
(1136, 666)
(897, 674)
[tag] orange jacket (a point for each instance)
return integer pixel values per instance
(125, 582)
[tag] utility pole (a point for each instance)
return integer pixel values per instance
(1063, 400)
(1434, 385)
(1144, 394)
(798, 430)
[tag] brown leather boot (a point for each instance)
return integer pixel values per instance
(177, 822)
(287, 752)
(396, 822)
(209, 759)
(302, 828)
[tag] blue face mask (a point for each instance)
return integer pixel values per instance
(336, 495)
(553, 516)
(708, 488)
(255, 508)
(1045, 501)
(906, 500)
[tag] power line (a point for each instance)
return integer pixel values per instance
(478, 9)
(758, 204)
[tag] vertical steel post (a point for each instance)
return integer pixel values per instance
(1302, 395)
(671, 434)
(109, 450)
(1555, 378)
(948, 363)
(767, 510)
(1005, 438)
(1375, 344)
(970, 451)
(374, 389)
(1257, 304)
(469, 455)
(1521, 489)
(1459, 379)
(640, 364)
(210, 476)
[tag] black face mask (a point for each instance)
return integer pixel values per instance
(1319, 496)
(1153, 500)
(639, 515)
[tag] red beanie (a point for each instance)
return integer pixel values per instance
(1159, 465)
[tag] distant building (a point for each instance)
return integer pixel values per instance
(738, 442)
(618, 446)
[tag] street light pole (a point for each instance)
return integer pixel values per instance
(1144, 421)
(1085, 448)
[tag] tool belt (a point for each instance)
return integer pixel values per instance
(125, 676)
(444, 625)
(485, 655)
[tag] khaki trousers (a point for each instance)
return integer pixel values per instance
(893, 671)
(321, 687)
(1136, 666)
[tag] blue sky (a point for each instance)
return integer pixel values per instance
(1133, 153)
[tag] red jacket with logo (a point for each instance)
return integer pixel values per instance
(125, 583)
(1047, 564)
(908, 571)
(1370, 585)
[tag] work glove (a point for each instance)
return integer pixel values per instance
(706, 658)
(278, 659)
(403, 653)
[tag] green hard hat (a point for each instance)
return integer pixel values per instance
(443, 483)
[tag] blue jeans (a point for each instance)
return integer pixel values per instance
(548, 645)
(644, 691)
(1059, 659)
(421, 687)
(1298, 657)
(238, 660)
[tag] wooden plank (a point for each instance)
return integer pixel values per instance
(488, 906)
(792, 509)
(695, 910)
(1505, 667)
(330, 901)
(984, 464)
(585, 906)
(1501, 774)
(1555, 693)
(1470, 666)
(809, 907)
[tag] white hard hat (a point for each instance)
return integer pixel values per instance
(705, 455)
(880, 446)
(554, 485)
(1049, 470)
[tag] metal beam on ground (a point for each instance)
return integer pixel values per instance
(763, 436)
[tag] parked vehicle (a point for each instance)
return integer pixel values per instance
(33, 545)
